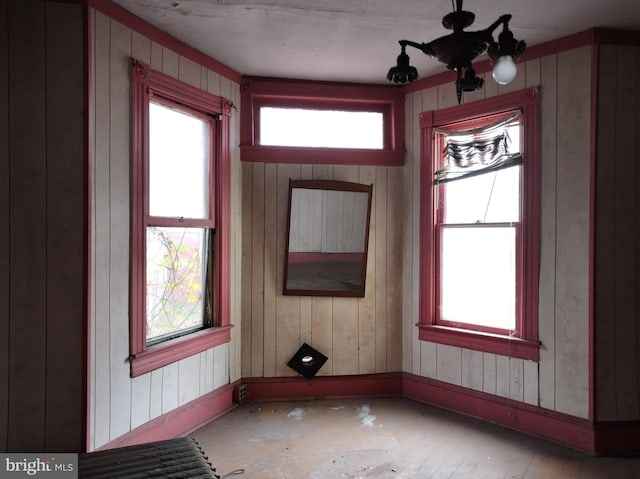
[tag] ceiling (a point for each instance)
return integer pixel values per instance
(356, 40)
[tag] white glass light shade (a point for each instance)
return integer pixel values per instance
(505, 70)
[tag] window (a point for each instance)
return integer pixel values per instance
(329, 123)
(480, 232)
(180, 221)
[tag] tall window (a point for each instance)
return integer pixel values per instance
(480, 227)
(180, 225)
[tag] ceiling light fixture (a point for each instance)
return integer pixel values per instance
(458, 49)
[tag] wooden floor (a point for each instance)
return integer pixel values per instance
(386, 438)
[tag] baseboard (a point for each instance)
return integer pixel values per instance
(323, 387)
(179, 421)
(618, 438)
(561, 428)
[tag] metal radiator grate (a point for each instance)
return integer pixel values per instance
(180, 458)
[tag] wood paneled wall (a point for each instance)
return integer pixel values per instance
(359, 335)
(560, 381)
(118, 403)
(42, 238)
(617, 235)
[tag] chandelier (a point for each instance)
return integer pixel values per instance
(458, 49)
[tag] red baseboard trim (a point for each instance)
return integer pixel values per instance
(180, 421)
(561, 428)
(322, 387)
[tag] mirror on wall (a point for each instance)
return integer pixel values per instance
(327, 238)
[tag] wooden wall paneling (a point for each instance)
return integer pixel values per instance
(516, 379)
(626, 234)
(202, 386)
(428, 359)
(345, 336)
(449, 364)
(490, 86)
(548, 186)
(572, 248)
(367, 305)
(156, 56)
(155, 393)
(220, 366)
(169, 388)
(428, 101)
(531, 383)
(189, 379)
(213, 83)
(532, 73)
(209, 371)
(503, 377)
(4, 219)
(380, 255)
(102, 235)
(140, 47)
(322, 330)
(189, 72)
(65, 227)
(170, 63)
(119, 167)
(235, 352)
(272, 286)
(27, 226)
(288, 307)
(410, 354)
(447, 95)
(489, 373)
(140, 400)
(257, 270)
(472, 369)
(394, 269)
(246, 302)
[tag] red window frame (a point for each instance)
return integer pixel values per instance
(524, 344)
(145, 84)
(260, 92)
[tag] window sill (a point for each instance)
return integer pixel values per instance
(321, 156)
(174, 350)
(479, 341)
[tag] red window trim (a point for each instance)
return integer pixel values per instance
(257, 92)
(144, 83)
(526, 347)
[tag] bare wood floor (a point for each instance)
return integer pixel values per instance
(386, 438)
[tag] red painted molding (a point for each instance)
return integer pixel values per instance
(323, 387)
(180, 421)
(174, 350)
(481, 341)
(116, 12)
(557, 427)
(321, 156)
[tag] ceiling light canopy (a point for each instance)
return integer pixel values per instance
(458, 50)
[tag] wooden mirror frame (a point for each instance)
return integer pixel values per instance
(350, 266)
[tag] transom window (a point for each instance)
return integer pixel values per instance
(321, 128)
